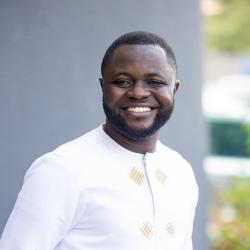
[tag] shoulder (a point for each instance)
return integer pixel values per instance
(175, 163)
(180, 170)
(82, 144)
(67, 158)
(172, 155)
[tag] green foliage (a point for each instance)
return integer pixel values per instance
(238, 195)
(232, 231)
(230, 29)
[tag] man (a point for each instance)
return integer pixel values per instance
(116, 187)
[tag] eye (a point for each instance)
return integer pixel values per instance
(156, 83)
(122, 83)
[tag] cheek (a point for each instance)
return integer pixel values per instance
(165, 98)
(112, 95)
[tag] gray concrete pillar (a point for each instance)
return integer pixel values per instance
(50, 54)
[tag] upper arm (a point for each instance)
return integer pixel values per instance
(44, 209)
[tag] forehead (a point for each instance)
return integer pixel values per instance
(128, 54)
(134, 52)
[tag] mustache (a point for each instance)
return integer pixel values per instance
(122, 128)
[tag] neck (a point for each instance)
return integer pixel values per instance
(142, 147)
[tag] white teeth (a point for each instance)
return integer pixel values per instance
(139, 109)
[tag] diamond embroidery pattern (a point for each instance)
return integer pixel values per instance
(147, 230)
(136, 176)
(160, 176)
(170, 229)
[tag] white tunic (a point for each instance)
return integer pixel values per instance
(93, 194)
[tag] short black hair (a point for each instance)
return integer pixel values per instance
(139, 38)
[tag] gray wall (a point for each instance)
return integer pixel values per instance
(50, 53)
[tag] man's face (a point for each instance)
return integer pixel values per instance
(138, 90)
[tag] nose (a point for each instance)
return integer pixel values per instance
(138, 90)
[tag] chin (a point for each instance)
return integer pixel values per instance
(136, 133)
(140, 127)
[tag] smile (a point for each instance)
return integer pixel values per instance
(138, 109)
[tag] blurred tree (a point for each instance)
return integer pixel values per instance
(231, 216)
(229, 28)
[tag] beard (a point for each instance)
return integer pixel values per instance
(122, 128)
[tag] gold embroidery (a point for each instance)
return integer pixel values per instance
(170, 229)
(160, 176)
(147, 230)
(136, 176)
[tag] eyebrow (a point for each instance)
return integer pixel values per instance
(153, 74)
(122, 73)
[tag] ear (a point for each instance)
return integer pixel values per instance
(101, 82)
(176, 86)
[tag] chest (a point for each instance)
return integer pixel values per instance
(134, 204)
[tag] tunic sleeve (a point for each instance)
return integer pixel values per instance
(45, 207)
(188, 244)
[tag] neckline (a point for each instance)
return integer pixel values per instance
(120, 149)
